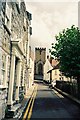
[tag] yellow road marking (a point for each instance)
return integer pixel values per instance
(26, 112)
(30, 112)
(32, 97)
(27, 109)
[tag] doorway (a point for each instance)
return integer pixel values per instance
(40, 69)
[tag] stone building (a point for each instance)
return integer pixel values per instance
(15, 31)
(5, 36)
(40, 58)
(31, 70)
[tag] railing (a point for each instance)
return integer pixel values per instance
(68, 87)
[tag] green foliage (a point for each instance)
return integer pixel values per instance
(67, 50)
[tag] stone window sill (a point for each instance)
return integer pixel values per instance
(2, 87)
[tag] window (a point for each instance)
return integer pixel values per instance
(40, 69)
(0, 66)
(3, 69)
(8, 16)
(30, 30)
(24, 24)
(29, 15)
(40, 51)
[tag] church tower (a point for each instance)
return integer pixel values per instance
(40, 58)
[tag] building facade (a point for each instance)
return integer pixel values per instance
(15, 31)
(55, 73)
(47, 67)
(40, 58)
(31, 70)
(52, 71)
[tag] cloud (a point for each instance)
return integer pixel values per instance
(48, 1)
(50, 18)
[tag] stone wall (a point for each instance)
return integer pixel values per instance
(4, 55)
(14, 24)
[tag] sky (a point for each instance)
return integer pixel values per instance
(49, 18)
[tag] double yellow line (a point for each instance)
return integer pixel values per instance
(28, 112)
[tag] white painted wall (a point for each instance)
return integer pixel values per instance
(31, 73)
(47, 67)
(56, 75)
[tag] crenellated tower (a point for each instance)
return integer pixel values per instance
(40, 58)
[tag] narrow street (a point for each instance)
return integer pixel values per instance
(39, 48)
(48, 103)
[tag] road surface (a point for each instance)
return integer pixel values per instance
(49, 103)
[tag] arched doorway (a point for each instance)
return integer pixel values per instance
(40, 69)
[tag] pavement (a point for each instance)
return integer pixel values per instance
(26, 100)
(73, 99)
(24, 104)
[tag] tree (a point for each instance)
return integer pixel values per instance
(67, 51)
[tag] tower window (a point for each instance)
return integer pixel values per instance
(40, 69)
(40, 52)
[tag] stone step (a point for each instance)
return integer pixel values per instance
(11, 113)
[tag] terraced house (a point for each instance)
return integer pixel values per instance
(15, 32)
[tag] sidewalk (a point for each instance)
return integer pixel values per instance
(23, 104)
(76, 101)
(26, 101)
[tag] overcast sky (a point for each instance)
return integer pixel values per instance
(49, 18)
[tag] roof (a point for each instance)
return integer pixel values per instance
(53, 62)
(54, 67)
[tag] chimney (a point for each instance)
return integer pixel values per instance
(51, 58)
